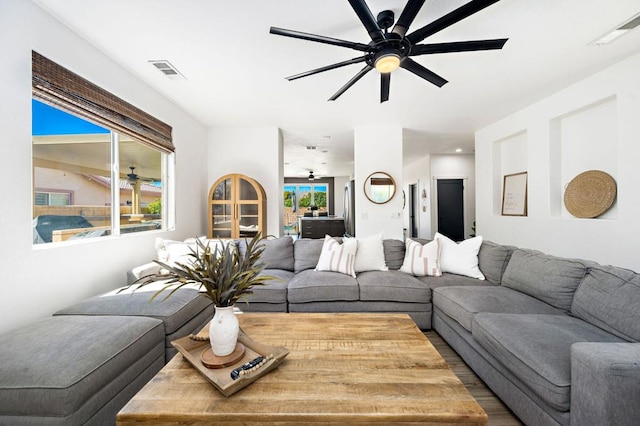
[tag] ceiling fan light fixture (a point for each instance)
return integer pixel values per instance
(387, 62)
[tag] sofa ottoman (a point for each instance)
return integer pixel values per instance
(184, 312)
(73, 370)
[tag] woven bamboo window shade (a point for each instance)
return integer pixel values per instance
(381, 181)
(59, 87)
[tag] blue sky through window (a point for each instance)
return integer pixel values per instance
(47, 120)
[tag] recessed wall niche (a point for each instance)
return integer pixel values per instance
(509, 157)
(581, 140)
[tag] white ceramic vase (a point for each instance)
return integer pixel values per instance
(223, 331)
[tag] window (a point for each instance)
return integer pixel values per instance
(301, 196)
(100, 165)
(52, 198)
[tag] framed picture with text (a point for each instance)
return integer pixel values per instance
(514, 195)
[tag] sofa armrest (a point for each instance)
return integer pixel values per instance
(142, 271)
(605, 383)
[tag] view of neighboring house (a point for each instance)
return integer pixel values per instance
(72, 177)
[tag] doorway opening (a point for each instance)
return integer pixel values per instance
(450, 199)
(413, 210)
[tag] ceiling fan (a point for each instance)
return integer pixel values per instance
(133, 177)
(312, 176)
(389, 50)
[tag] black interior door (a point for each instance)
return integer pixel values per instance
(451, 208)
(413, 211)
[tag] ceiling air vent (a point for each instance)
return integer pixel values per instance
(167, 69)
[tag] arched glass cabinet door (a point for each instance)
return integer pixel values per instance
(237, 207)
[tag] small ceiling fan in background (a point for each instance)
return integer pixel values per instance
(133, 177)
(389, 50)
(312, 176)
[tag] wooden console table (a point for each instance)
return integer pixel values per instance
(342, 368)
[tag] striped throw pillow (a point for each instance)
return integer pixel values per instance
(336, 257)
(421, 260)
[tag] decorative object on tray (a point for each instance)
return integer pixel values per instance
(256, 361)
(223, 331)
(590, 194)
(226, 275)
(211, 360)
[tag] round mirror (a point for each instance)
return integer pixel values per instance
(379, 187)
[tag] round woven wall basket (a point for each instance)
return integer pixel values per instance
(590, 194)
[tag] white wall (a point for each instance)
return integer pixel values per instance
(257, 153)
(35, 282)
(418, 173)
(593, 124)
(378, 149)
(454, 166)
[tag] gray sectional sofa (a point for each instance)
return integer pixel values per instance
(556, 339)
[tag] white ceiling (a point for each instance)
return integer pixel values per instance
(235, 69)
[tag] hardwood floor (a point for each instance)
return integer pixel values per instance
(499, 414)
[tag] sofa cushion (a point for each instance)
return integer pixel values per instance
(277, 253)
(161, 246)
(460, 258)
(306, 253)
(393, 286)
(370, 254)
(548, 278)
(273, 291)
(338, 257)
(174, 311)
(463, 303)
(449, 280)
(421, 259)
(313, 286)
(537, 349)
(609, 298)
(67, 368)
(181, 252)
(393, 253)
(493, 260)
(172, 252)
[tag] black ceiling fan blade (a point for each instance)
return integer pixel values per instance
(459, 46)
(351, 82)
(449, 19)
(327, 68)
(411, 65)
(319, 39)
(367, 19)
(407, 16)
(385, 83)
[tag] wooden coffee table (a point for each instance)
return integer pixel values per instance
(342, 368)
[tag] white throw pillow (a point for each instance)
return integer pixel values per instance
(370, 254)
(178, 252)
(171, 251)
(421, 260)
(336, 257)
(460, 258)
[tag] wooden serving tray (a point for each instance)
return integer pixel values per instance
(221, 377)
